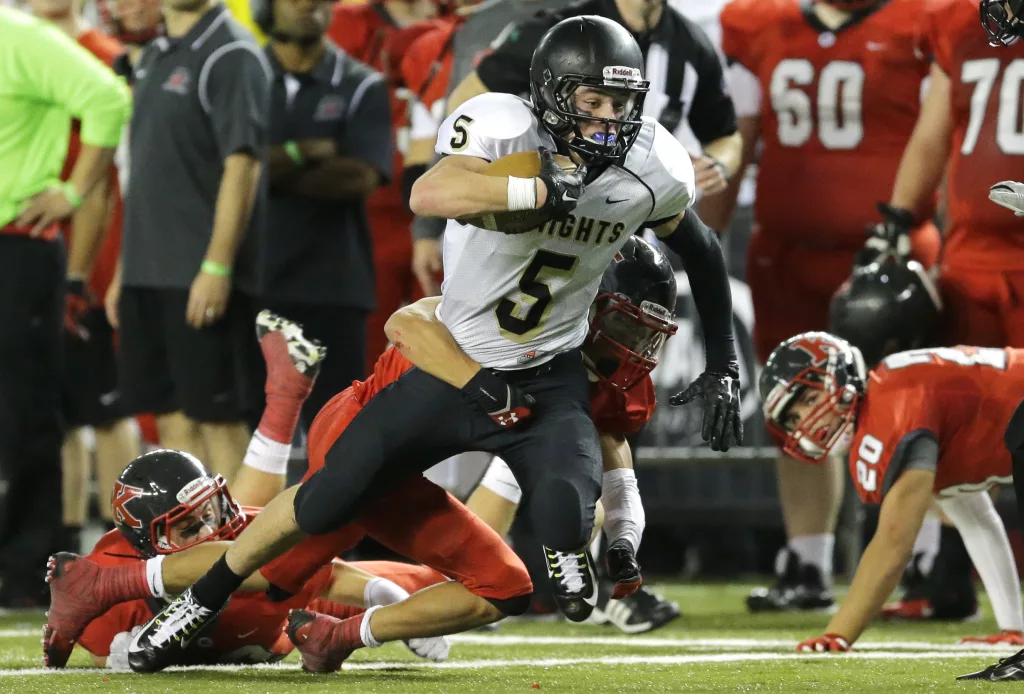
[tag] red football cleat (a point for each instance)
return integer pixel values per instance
(81, 591)
(323, 641)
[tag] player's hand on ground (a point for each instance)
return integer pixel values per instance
(1010, 195)
(827, 643)
(207, 299)
(118, 658)
(1003, 638)
(76, 303)
(890, 237)
(722, 424)
(435, 650)
(710, 174)
(427, 261)
(562, 188)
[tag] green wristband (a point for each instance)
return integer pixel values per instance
(216, 269)
(71, 194)
(291, 148)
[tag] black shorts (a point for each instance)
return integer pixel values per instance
(417, 421)
(90, 394)
(165, 365)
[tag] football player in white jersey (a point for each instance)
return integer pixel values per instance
(518, 304)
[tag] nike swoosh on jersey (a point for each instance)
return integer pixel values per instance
(248, 633)
(609, 201)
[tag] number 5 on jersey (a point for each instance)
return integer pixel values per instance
(519, 325)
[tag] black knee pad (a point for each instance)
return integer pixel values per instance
(316, 513)
(512, 607)
(562, 517)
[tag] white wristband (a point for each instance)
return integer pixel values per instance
(522, 193)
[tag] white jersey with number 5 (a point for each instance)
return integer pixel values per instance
(512, 301)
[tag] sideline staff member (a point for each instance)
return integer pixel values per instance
(46, 79)
(197, 146)
(330, 124)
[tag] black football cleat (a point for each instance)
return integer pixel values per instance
(1009, 669)
(798, 587)
(573, 582)
(623, 569)
(163, 639)
(637, 613)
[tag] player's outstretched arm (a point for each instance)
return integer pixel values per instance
(880, 568)
(416, 332)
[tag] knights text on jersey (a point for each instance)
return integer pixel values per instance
(988, 143)
(836, 111)
(512, 301)
(960, 396)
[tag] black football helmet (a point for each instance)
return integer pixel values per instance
(632, 315)
(886, 307)
(1001, 19)
(594, 52)
(163, 486)
(822, 362)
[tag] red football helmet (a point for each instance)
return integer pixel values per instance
(821, 375)
(632, 315)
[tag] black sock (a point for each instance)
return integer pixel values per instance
(488, 390)
(214, 588)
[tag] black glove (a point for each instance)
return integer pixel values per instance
(506, 404)
(722, 424)
(890, 237)
(76, 304)
(564, 188)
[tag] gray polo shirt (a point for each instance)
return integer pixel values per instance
(321, 251)
(198, 99)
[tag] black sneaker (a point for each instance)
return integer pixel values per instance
(573, 582)
(1009, 669)
(798, 587)
(163, 638)
(623, 569)
(640, 612)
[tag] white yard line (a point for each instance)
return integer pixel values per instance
(537, 662)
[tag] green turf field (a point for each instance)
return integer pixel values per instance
(715, 646)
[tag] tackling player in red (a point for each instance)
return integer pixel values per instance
(832, 90)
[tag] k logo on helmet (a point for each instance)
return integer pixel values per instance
(124, 493)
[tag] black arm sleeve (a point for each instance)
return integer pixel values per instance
(701, 254)
(409, 176)
(712, 114)
(507, 68)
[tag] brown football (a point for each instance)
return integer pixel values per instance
(520, 165)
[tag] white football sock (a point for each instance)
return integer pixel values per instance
(926, 544)
(380, 591)
(155, 576)
(624, 516)
(815, 550)
(985, 538)
(267, 456)
(500, 480)
(364, 629)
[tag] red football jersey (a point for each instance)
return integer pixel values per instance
(245, 632)
(963, 396)
(106, 49)
(837, 109)
(988, 140)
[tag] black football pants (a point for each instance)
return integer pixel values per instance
(418, 421)
(31, 359)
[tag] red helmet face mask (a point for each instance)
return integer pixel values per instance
(625, 339)
(227, 519)
(825, 422)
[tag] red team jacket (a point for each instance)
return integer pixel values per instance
(961, 396)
